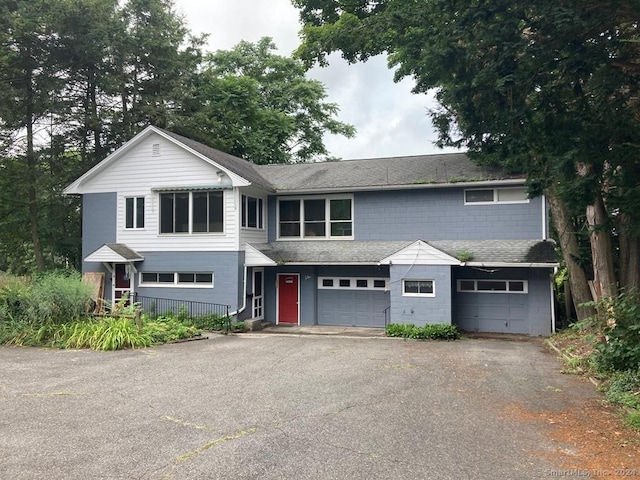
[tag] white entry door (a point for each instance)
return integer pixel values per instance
(258, 293)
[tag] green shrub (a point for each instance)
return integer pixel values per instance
(620, 349)
(439, 331)
(166, 329)
(212, 322)
(14, 293)
(624, 388)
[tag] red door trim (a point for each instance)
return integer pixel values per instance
(297, 293)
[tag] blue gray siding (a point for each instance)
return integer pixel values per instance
(528, 313)
(434, 214)
(99, 226)
(421, 310)
(224, 265)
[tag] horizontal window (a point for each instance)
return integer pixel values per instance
(418, 288)
(483, 196)
(176, 279)
(192, 212)
(252, 212)
(493, 286)
(352, 283)
(315, 218)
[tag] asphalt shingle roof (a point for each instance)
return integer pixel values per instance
(379, 172)
(347, 252)
(239, 166)
(124, 251)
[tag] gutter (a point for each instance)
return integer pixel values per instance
(508, 264)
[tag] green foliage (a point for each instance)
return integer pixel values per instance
(427, 332)
(620, 348)
(624, 388)
(255, 104)
(168, 329)
(464, 255)
(211, 322)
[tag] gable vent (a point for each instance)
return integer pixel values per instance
(155, 150)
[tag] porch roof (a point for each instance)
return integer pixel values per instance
(525, 253)
(114, 253)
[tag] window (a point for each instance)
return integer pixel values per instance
(418, 288)
(252, 212)
(314, 218)
(191, 212)
(483, 196)
(134, 212)
(493, 286)
(353, 283)
(177, 279)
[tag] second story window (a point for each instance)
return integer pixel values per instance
(484, 196)
(134, 212)
(192, 212)
(315, 218)
(252, 212)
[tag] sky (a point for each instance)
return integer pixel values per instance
(390, 120)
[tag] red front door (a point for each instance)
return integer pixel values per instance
(121, 282)
(288, 299)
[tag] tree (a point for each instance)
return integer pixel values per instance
(547, 87)
(253, 103)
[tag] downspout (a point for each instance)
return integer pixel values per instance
(553, 303)
(244, 294)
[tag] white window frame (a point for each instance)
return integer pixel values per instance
(136, 199)
(525, 285)
(327, 220)
(433, 287)
(244, 212)
(496, 198)
(190, 213)
(176, 283)
(353, 283)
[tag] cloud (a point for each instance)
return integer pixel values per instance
(391, 121)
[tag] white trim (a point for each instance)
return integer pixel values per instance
(278, 297)
(544, 217)
(254, 296)
(176, 283)
(476, 280)
(496, 200)
(353, 282)
(255, 258)
(419, 253)
(433, 287)
(511, 264)
(417, 186)
(135, 199)
(327, 219)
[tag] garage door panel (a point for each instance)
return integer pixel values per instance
(352, 307)
(492, 312)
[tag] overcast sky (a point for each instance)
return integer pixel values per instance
(391, 121)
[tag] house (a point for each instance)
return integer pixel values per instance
(420, 239)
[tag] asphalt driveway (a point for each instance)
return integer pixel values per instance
(266, 406)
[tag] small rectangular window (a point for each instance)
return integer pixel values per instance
(379, 284)
(327, 282)
(516, 286)
(345, 282)
(134, 212)
(422, 288)
(512, 194)
(477, 196)
(362, 283)
(467, 285)
(496, 195)
(166, 278)
(186, 277)
(177, 279)
(149, 278)
(492, 286)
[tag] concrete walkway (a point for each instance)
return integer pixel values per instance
(356, 332)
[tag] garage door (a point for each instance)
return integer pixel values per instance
(352, 307)
(492, 312)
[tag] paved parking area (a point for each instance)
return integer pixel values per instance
(261, 406)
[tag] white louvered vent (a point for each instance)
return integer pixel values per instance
(155, 150)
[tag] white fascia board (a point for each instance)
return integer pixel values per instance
(74, 188)
(510, 264)
(255, 258)
(421, 253)
(106, 254)
(417, 186)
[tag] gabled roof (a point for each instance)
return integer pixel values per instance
(420, 253)
(239, 166)
(114, 253)
(413, 171)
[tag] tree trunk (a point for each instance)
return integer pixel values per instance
(601, 250)
(629, 254)
(580, 291)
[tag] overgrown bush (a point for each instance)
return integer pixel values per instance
(620, 319)
(439, 331)
(212, 322)
(624, 388)
(55, 297)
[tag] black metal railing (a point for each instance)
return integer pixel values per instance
(183, 309)
(387, 315)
